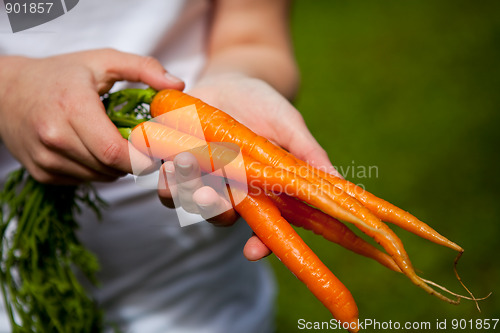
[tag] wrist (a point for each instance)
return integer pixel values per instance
(270, 64)
(10, 67)
(219, 89)
(217, 78)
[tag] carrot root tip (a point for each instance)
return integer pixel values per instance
(472, 297)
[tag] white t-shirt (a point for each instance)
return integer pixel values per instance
(155, 276)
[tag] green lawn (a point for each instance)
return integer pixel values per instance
(410, 88)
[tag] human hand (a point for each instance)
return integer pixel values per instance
(181, 179)
(265, 111)
(261, 108)
(52, 118)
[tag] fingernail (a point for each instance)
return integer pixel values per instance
(169, 167)
(184, 169)
(171, 78)
(204, 206)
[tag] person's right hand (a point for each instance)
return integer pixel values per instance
(53, 121)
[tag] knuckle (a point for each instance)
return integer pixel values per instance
(318, 150)
(45, 160)
(51, 137)
(108, 52)
(149, 61)
(188, 186)
(312, 151)
(112, 154)
(297, 117)
(42, 177)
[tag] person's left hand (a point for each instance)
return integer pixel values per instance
(258, 106)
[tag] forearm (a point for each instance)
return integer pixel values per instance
(251, 38)
(273, 65)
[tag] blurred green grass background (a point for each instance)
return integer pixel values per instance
(411, 88)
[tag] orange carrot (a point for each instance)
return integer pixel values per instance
(218, 126)
(163, 141)
(275, 232)
(307, 217)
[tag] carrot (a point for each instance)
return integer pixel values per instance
(159, 141)
(218, 126)
(385, 210)
(307, 217)
(275, 232)
(162, 141)
(269, 166)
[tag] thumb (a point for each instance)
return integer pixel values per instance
(304, 146)
(119, 66)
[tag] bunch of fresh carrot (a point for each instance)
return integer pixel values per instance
(314, 199)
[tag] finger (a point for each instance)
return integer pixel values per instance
(255, 250)
(188, 180)
(302, 144)
(166, 184)
(142, 164)
(57, 137)
(53, 162)
(213, 207)
(109, 147)
(98, 134)
(66, 167)
(45, 177)
(69, 147)
(306, 148)
(299, 141)
(136, 68)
